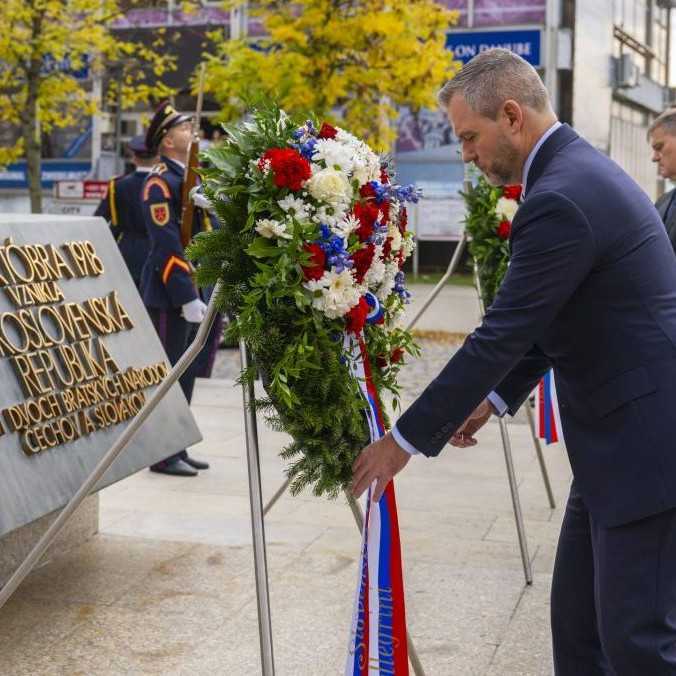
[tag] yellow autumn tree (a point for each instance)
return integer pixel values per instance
(354, 62)
(43, 45)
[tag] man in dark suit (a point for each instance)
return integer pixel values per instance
(591, 292)
(167, 287)
(123, 210)
(662, 137)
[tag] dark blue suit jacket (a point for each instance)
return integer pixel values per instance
(591, 291)
(123, 210)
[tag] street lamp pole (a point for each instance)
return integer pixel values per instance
(552, 20)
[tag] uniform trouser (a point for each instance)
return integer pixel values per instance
(614, 596)
(204, 363)
(175, 333)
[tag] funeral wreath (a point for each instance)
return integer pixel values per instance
(490, 211)
(312, 240)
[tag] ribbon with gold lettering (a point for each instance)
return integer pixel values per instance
(378, 635)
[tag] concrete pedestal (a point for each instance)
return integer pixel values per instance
(14, 546)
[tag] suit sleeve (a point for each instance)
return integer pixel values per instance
(553, 250)
(103, 209)
(164, 231)
(520, 381)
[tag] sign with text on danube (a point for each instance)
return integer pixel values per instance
(466, 44)
(78, 359)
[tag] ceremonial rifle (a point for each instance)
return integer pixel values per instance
(191, 176)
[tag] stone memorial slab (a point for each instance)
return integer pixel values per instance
(78, 358)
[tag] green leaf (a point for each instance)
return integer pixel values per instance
(262, 247)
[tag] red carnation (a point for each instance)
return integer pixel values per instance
(327, 131)
(504, 229)
(397, 355)
(400, 258)
(512, 192)
(368, 192)
(403, 220)
(366, 213)
(387, 248)
(362, 259)
(289, 167)
(384, 176)
(356, 317)
(315, 270)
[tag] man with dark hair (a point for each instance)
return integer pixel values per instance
(590, 291)
(662, 137)
(123, 210)
(169, 292)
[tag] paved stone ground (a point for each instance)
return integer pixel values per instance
(167, 587)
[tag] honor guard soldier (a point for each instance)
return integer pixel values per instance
(123, 209)
(167, 287)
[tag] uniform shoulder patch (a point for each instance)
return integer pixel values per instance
(155, 182)
(160, 213)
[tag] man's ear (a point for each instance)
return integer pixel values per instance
(513, 115)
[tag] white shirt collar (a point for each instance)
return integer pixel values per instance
(533, 153)
(143, 170)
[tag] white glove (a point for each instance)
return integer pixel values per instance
(194, 311)
(199, 199)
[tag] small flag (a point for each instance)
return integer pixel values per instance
(547, 410)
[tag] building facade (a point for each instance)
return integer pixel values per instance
(605, 62)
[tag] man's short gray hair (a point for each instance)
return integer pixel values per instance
(666, 120)
(491, 78)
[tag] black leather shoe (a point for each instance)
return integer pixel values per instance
(174, 468)
(197, 464)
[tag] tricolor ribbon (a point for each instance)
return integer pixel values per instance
(547, 410)
(378, 634)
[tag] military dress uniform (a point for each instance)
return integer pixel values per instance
(166, 280)
(123, 210)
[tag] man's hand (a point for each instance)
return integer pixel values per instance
(381, 460)
(464, 435)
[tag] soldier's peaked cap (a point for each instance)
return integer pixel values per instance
(166, 117)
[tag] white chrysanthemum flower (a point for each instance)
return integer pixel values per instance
(329, 215)
(345, 226)
(334, 155)
(506, 208)
(267, 227)
(387, 285)
(376, 273)
(407, 246)
(339, 293)
(330, 186)
(365, 163)
(296, 207)
(346, 138)
(395, 238)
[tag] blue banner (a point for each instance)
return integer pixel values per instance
(14, 175)
(524, 42)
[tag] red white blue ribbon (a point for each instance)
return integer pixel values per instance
(547, 410)
(378, 634)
